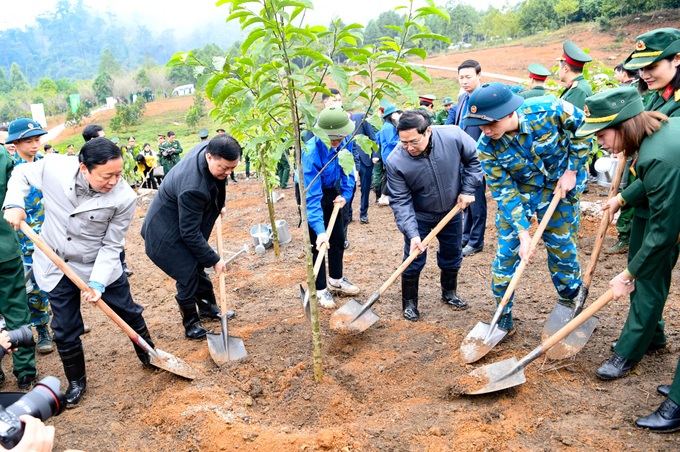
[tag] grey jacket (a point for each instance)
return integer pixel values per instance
(89, 236)
(425, 187)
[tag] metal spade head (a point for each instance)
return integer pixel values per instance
(224, 348)
(304, 295)
(492, 377)
(474, 346)
(342, 318)
(171, 363)
(575, 341)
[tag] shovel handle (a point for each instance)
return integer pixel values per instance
(534, 241)
(70, 274)
(604, 223)
(220, 250)
(324, 245)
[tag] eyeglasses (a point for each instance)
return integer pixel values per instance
(412, 143)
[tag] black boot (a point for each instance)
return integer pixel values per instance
(141, 353)
(665, 419)
(191, 322)
(207, 309)
(409, 297)
(74, 368)
(449, 281)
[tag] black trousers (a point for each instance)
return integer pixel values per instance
(199, 287)
(67, 321)
(336, 241)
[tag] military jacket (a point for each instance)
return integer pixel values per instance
(536, 157)
(667, 102)
(577, 92)
(169, 155)
(9, 243)
(536, 91)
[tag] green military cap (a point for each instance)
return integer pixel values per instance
(609, 108)
(538, 71)
(652, 47)
(447, 101)
(574, 56)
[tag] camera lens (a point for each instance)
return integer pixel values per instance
(43, 401)
(21, 337)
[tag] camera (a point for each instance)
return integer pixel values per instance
(21, 337)
(43, 401)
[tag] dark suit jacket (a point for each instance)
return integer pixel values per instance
(360, 157)
(182, 215)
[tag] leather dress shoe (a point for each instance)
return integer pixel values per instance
(615, 367)
(470, 250)
(665, 419)
(653, 347)
(664, 390)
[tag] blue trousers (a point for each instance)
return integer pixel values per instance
(449, 254)
(474, 224)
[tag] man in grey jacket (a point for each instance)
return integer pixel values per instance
(88, 209)
(430, 171)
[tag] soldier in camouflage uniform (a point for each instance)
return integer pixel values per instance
(527, 154)
(170, 153)
(27, 146)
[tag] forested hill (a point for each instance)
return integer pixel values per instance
(68, 42)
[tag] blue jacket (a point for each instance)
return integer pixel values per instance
(360, 157)
(456, 117)
(388, 138)
(313, 161)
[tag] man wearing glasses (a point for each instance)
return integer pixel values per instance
(430, 171)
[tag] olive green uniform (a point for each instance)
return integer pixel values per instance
(577, 92)
(536, 91)
(12, 288)
(653, 251)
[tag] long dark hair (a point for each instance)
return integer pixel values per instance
(675, 81)
(632, 131)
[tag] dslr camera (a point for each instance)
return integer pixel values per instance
(43, 401)
(21, 337)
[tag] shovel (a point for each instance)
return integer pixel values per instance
(224, 348)
(304, 294)
(510, 372)
(561, 314)
(485, 336)
(159, 358)
(355, 317)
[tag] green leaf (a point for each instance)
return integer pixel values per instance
(435, 36)
(346, 160)
(366, 144)
(417, 51)
(218, 63)
(252, 37)
(341, 78)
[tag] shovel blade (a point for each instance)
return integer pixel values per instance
(304, 295)
(575, 341)
(342, 318)
(490, 378)
(166, 361)
(474, 347)
(223, 351)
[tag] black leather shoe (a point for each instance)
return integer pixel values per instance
(363, 219)
(411, 313)
(665, 419)
(653, 347)
(346, 245)
(664, 390)
(191, 322)
(26, 381)
(470, 250)
(615, 367)
(75, 391)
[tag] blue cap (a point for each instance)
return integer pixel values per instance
(491, 102)
(23, 128)
(389, 110)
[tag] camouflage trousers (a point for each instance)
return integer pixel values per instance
(37, 299)
(559, 237)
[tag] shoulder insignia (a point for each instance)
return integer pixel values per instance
(677, 95)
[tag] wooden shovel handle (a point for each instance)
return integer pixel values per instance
(411, 257)
(534, 241)
(70, 274)
(604, 223)
(324, 245)
(220, 251)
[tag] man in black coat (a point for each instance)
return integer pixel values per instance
(178, 224)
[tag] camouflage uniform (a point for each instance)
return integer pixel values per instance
(522, 172)
(37, 299)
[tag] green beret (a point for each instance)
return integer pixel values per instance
(652, 47)
(609, 108)
(573, 55)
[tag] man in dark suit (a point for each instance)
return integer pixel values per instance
(474, 225)
(179, 222)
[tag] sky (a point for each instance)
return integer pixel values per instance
(191, 14)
